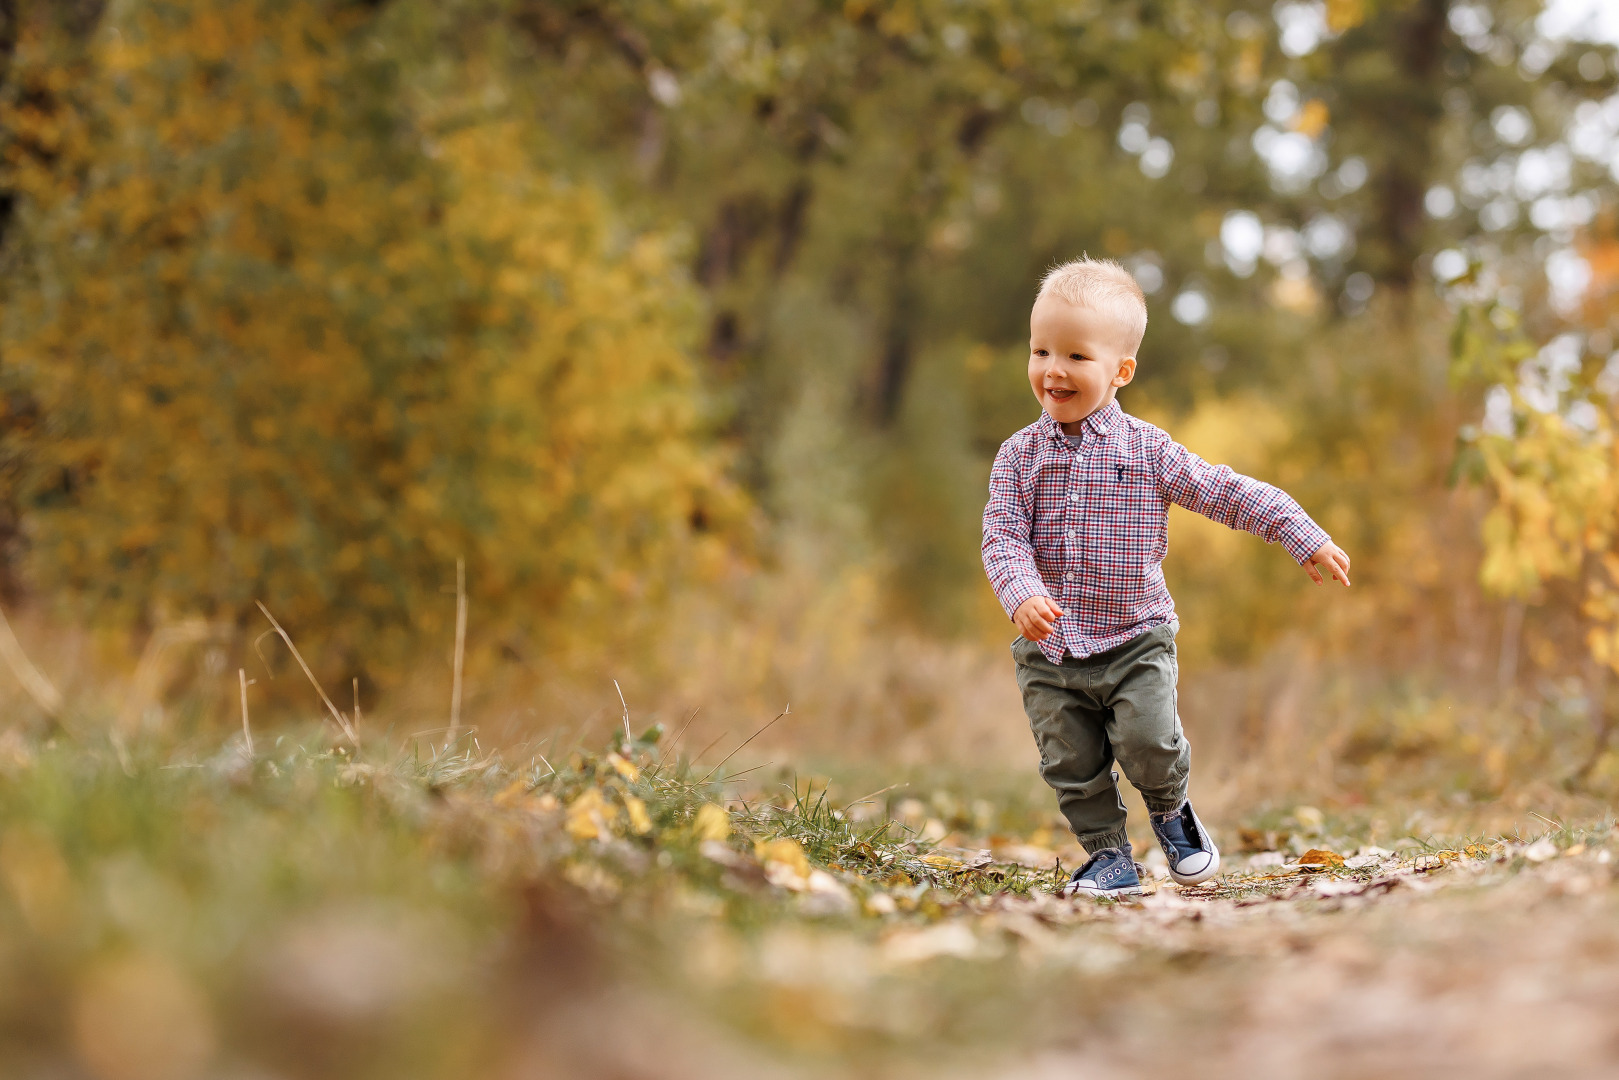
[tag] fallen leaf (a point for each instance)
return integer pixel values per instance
(862, 851)
(1540, 850)
(711, 822)
(1337, 887)
(545, 804)
(828, 896)
(640, 820)
(511, 793)
(1320, 857)
(624, 767)
(720, 852)
(881, 904)
(783, 876)
(590, 816)
(785, 852)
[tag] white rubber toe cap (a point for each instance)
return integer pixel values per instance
(1196, 868)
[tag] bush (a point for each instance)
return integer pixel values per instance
(272, 332)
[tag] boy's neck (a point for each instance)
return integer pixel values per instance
(1079, 425)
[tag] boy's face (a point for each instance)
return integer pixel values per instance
(1078, 358)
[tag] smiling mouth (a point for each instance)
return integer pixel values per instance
(1059, 393)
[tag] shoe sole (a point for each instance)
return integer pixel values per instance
(1102, 894)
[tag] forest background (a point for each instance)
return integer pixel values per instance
(690, 329)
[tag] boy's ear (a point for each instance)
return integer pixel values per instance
(1127, 371)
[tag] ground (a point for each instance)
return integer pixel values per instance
(316, 911)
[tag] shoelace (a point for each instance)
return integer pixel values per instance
(1092, 861)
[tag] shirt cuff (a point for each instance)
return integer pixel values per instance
(1302, 538)
(1018, 590)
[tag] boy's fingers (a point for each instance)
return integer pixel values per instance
(1315, 575)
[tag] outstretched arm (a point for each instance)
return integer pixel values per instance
(1008, 551)
(1240, 502)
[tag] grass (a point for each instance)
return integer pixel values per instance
(176, 910)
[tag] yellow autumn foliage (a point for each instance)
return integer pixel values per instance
(1555, 482)
(273, 333)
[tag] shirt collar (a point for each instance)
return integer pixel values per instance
(1099, 422)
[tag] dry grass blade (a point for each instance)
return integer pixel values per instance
(629, 740)
(342, 721)
(460, 644)
(745, 742)
(41, 689)
(247, 729)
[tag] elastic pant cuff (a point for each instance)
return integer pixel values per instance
(1160, 806)
(1096, 842)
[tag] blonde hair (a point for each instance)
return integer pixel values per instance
(1101, 285)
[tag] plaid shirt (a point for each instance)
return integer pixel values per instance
(1088, 525)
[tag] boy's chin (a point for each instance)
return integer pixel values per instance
(1071, 411)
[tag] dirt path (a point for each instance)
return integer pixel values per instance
(1504, 965)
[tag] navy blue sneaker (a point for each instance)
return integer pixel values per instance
(1187, 845)
(1109, 872)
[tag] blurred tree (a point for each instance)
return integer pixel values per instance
(276, 327)
(903, 172)
(864, 194)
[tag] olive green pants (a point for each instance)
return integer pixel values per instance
(1118, 705)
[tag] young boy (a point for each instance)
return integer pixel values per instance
(1074, 537)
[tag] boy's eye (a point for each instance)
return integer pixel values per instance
(1075, 356)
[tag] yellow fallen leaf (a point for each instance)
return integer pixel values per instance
(513, 791)
(545, 804)
(624, 767)
(590, 816)
(783, 851)
(942, 862)
(1321, 857)
(640, 820)
(711, 823)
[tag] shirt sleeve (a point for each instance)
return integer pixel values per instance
(1238, 502)
(1008, 546)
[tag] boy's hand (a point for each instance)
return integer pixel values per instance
(1329, 556)
(1037, 616)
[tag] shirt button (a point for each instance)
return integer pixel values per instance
(1068, 576)
(1073, 498)
(1072, 534)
